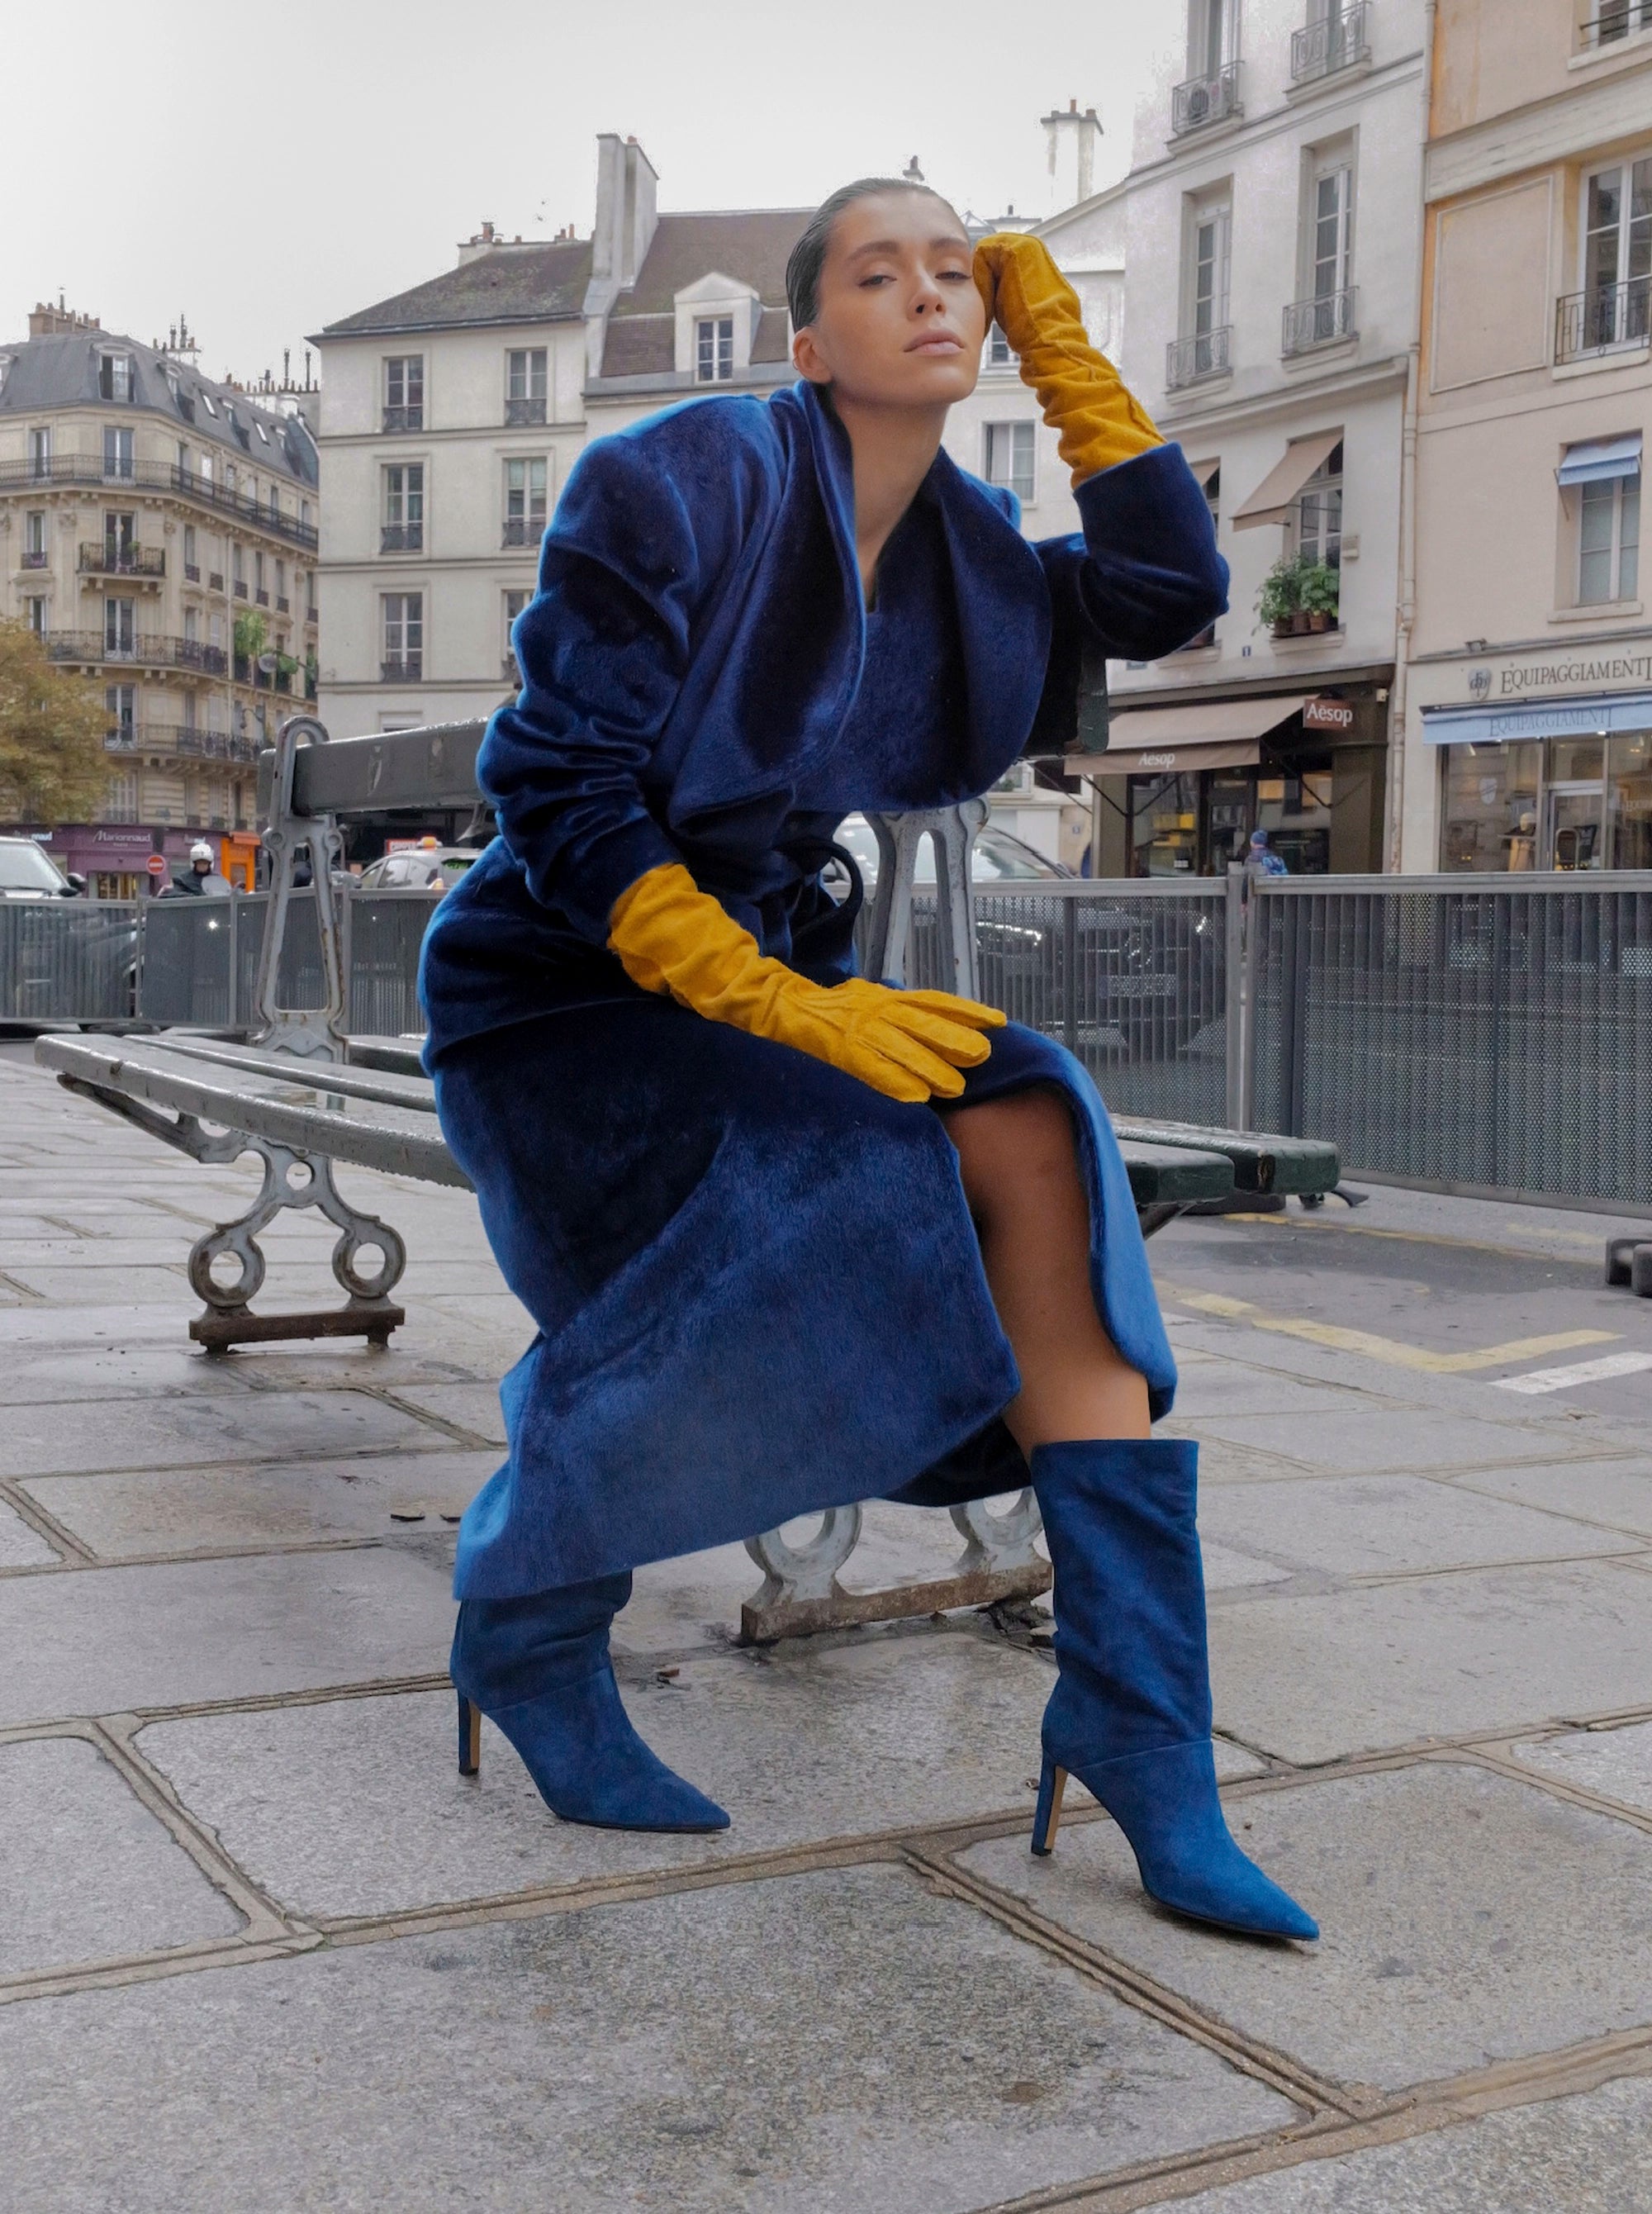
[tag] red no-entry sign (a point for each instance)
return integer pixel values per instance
(157, 865)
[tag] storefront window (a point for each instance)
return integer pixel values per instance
(1164, 825)
(1491, 807)
(1295, 809)
(1629, 796)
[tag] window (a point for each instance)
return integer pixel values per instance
(404, 392)
(713, 349)
(281, 587)
(1210, 28)
(1617, 255)
(35, 615)
(515, 602)
(205, 473)
(5, 369)
(1325, 312)
(191, 558)
(524, 502)
(403, 530)
(121, 627)
(1617, 19)
(120, 704)
(120, 539)
(1608, 540)
(35, 553)
(525, 384)
(998, 349)
(117, 452)
(1202, 350)
(192, 636)
(1319, 513)
(40, 453)
(1009, 458)
(303, 515)
(261, 588)
(114, 376)
(120, 806)
(404, 638)
(209, 403)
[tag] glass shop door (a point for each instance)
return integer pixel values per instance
(1575, 827)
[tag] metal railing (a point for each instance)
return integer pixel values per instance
(157, 476)
(408, 670)
(1335, 43)
(402, 538)
(1618, 19)
(93, 646)
(522, 530)
(523, 412)
(1609, 315)
(67, 960)
(179, 738)
(99, 559)
(1205, 100)
(1321, 322)
(1207, 353)
(405, 419)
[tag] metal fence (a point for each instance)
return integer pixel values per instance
(1489, 1033)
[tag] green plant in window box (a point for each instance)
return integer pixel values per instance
(1281, 597)
(1319, 589)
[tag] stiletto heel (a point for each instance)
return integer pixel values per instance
(470, 1737)
(1052, 1787)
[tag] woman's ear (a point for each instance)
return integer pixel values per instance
(805, 357)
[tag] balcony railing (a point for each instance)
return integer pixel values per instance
(1190, 361)
(102, 560)
(1320, 49)
(1609, 315)
(1205, 100)
(1618, 19)
(282, 606)
(522, 530)
(1319, 321)
(409, 670)
(215, 580)
(94, 647)
(154, 476)
(178, 738)
(524, 411)
(261, 598)
(405, 419)
(191, 572)
(312, 615)
(402, 538)
(35, 557)
(241, 588)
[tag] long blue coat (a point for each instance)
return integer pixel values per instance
(757, 1287)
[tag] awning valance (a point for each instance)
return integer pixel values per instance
(1271, 501)
(1596, 716)
(1599, 459)
(1174, 741)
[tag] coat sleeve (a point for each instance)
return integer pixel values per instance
(1145, 577)
(603, 647)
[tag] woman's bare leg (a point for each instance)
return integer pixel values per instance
(1021, 1169)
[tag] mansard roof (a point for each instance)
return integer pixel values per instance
(533, 284)
(749, 244)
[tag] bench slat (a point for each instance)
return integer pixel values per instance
(1263, 1161)
(1163, 1175)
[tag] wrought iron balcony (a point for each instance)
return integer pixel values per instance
(215, 580)
(93, 648)
(524, 411)
(406, 418)
(312, 615)
(1618, 19)
(154, 476)
(191, 572)
(1190, 361)
(1336, 43)
(1205, 100)
(1321, 322)
(522, 530)
(35, 557)
(408, 670)
(283, 607)
(178, 738)
(1610, 315)
(241, 588)
(402, 538)
(261, 597)
(103, 560)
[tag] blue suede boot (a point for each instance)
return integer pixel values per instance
(539, 1669)
(1130, 1714)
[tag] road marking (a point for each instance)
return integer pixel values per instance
(1423, 1237)
(1580, 1371)
(1393, 1351)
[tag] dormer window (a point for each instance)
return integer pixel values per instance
(115, 377)
(5, 369)
(713, 349)
(209, 403)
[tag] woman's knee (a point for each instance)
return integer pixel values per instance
(1008, 1148)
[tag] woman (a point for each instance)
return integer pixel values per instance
(674, 1097)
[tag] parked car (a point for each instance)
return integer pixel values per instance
(60, 965)
(426, 867)
(1147, 974)
(26, 873)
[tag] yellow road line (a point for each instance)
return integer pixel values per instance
(1418, 1237)
(1391, 1351)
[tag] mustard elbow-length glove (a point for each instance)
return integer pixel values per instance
(671, 937)
(1081, 392)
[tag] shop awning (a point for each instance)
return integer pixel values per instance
(1175, 741)
(1592, 715)
(1203, 471)
(1599, 459)
(1271, 501)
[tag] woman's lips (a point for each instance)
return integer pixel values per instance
(940, 342)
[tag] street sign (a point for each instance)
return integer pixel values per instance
(157, 865)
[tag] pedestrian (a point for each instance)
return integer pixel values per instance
(656, 1064)
(1262, 860)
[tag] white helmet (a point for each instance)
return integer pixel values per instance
(200, 851)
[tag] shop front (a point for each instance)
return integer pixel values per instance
(114, 856)
(1560, 783)
(1180, 789)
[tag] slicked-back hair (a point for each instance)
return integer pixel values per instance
(808, 256)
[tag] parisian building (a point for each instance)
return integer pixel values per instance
(146, 510)
(1528, 684)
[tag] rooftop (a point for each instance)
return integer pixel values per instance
(506, 283)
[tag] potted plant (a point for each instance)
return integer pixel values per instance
(1318, 588)
(1279, 600)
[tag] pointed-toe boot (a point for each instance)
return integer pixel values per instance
(539, 1669)
(1130, 1713)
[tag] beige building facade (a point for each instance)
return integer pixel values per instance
(160, 531)
(1528, 684)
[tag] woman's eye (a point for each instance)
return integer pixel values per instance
(880, 276)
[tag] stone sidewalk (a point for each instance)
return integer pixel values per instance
(264, 1950)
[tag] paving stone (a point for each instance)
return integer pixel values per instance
(194, 1510)
(1225, 1569)
(356, 1807)
(21, 1546)
(99, 1876)
(105, 1641)
(1616, 1493)
(41, 1375)
(1364, 1524)
(81, 1284)
(1210, 1387)
(1308, 1678)
(938, 2065)
(475, 1406)
(57, 1440)
(1448, 1898)
(1616, 1763)
(1591, 2155)
(1387, 1438)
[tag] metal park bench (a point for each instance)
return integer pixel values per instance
(302, 1095)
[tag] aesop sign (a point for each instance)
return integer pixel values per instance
(1327, 715)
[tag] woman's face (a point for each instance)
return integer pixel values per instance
(899, 323)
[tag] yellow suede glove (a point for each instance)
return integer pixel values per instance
(1078, 389)
(671, 937)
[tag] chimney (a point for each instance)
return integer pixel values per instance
(485, 240)
(627, 190)
(1072, 142)
(46, 321)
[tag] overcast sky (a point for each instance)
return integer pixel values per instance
(266, 169)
